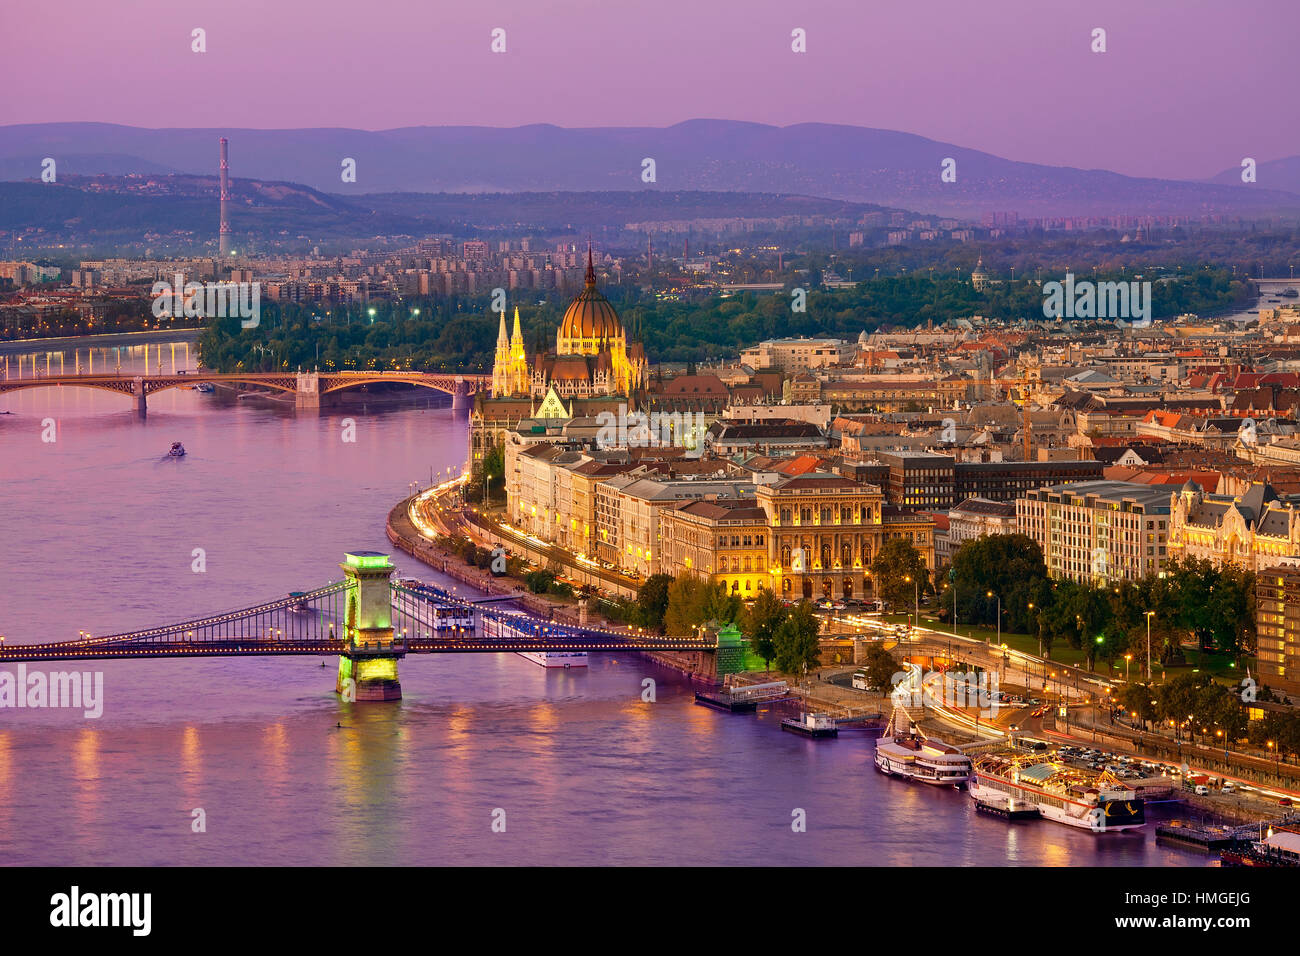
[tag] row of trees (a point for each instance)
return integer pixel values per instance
(1198, 708)
(778, 633)
(460, 331)
(1213, 606)
(1193, 702)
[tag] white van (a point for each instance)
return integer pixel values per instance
(1202, 790)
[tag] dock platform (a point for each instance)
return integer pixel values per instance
(726, 702)
(1209, 839)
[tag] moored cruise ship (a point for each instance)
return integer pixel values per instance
(426, 614)
(502, 628)
(1088, 801)
(556, 658)
(903, 751)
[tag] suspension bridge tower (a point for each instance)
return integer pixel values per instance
(368, 664)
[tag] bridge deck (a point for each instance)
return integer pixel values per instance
(425, 621)
(35, 653)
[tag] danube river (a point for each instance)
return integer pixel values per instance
(100, 531)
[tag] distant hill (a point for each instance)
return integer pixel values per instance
(139, 208)
(1274, 174)
(839, 162)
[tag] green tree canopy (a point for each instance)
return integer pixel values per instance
(795, 640)
(900, 572)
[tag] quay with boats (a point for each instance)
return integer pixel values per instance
(1099, 802)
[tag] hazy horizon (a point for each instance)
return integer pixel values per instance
(1179, 94)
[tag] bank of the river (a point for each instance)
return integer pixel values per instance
(404, 535)
(106, 340)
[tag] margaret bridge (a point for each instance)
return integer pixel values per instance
(308, 388)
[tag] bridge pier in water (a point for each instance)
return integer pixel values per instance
(368, 664)
(137, 389)
(460, 398)
(307, 393)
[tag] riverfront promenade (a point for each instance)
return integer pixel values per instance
(1083, 694)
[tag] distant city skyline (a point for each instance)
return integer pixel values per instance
(1180, 93)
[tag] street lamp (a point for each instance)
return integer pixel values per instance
(999, 599)
(1127, 658)
(1149, 615)
(916, 595)
(953, 585)
(1040, 632)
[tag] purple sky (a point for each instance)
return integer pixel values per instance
(1186, 89)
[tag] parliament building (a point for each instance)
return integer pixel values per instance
(592, 369)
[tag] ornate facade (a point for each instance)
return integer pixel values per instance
(592, 356)
(593, 367)
(825, 530)
(1254, 530)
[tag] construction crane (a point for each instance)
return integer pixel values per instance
(1028, 428)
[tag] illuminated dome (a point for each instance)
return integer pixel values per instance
(590, 323)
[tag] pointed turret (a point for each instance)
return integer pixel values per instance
(591, 268)
(518, 333)
(518, 358)
(501, 371)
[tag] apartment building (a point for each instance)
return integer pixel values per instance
(1277, 628)
(976, 517)
(723, 541)
(920, 480)
(795, 355)
(886, 393)
(627, 510)
(1098, 531)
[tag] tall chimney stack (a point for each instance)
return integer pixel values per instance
(223, 242)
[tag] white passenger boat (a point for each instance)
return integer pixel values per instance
(904, 751)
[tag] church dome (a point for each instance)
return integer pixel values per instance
(590, 319)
